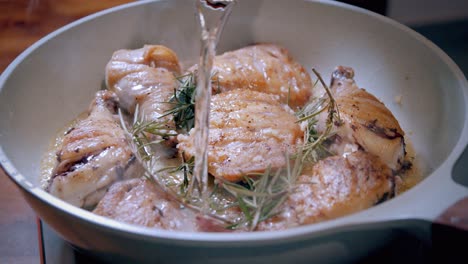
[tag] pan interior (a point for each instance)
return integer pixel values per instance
(56, 79)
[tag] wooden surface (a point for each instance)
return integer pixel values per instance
(23, 22)
(18, 231)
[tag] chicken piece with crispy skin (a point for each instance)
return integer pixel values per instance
(93, 155)
(366, 122)
(266, 68)
(249, 131)
(334, 187)
(146, 77)
(141, 202)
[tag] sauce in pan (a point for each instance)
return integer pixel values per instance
(262, 153)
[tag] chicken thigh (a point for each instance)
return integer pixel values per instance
(93, 155)
(249, 132)
(366, 122)
(141, 202)
(266, 68)
(145, 77)
(334, 187)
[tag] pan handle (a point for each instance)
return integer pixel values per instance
(457, 214)
(436, 197)
(449, 231)
(449, 234)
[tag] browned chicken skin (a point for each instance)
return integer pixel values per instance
(93, 155)
(334, 187)
(367, 123)
(141, 202)
(266, 68)
(249, 131)
(145, 77)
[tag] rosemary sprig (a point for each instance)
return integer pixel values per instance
(183, 102)
(144, 134)
(140, 136)
(260, 196)
(186, 167)
(313, 149)
(333, 111)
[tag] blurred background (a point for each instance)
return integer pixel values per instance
(22, 22)
(444, 22)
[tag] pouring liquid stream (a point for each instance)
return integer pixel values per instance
(209, 40)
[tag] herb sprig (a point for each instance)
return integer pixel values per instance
(186, 167)
(141, 137)
(314, 149)
(143, 134)
(183, 102)
(261, 196)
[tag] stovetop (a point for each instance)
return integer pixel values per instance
(55, 250)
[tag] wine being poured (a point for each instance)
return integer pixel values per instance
(209, 40)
